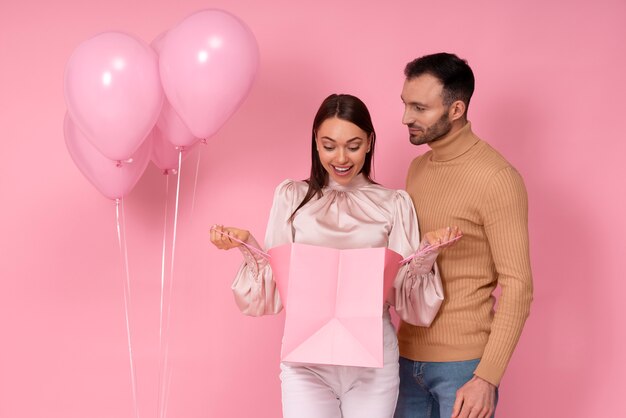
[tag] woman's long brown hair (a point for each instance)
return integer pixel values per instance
(348, 108)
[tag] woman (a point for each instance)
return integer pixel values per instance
(340, 206)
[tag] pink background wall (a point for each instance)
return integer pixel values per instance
(550, 86)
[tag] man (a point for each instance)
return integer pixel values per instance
(453, 368)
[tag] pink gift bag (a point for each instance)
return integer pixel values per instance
(334, 302)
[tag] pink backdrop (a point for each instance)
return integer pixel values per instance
(550, 79)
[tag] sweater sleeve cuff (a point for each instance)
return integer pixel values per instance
(489, 372)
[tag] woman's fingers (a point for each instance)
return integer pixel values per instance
(226, 241)
(226, 238)
(214, 236)
(443, 237)
(218, 237)
(446, 234)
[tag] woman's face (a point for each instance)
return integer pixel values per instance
(342, 146)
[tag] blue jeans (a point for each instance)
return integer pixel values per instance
(428, 389)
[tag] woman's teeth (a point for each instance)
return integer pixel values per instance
(342, 169)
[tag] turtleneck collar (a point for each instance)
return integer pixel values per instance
(357, 182)
(455, 145)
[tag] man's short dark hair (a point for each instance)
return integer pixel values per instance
(453, 72)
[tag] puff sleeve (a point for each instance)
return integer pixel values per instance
(418, 292)
(254, 287)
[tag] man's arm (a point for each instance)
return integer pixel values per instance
(506, 226)
(505, 218)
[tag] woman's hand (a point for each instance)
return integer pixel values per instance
(443, 238)
(221, 236)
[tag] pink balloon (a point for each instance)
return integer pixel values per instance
(207, 64)
(169, 123)
(157, 43)
(165, 155)
(112, 181)
(113, 92)
(173, 128)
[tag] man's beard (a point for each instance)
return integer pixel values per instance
(434, 132)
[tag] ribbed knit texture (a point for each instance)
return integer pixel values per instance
(463, 181)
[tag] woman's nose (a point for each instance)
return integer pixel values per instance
(342, 156)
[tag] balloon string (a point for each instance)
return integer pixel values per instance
(167, 181)
(170, 293)
(195, 182)
(165, 387)
(167, 397)
(124, 256)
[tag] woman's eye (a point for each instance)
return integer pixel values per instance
(327, 148)
(354, 148)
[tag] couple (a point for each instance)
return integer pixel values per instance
(450, 362)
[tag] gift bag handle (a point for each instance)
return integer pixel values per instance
(248, 246)
(428, 249)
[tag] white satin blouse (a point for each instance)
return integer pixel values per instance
(359, 215)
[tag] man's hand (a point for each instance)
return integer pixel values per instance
(475, 399)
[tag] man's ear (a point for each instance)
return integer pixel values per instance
(457, 110)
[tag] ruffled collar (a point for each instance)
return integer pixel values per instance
(357, 182)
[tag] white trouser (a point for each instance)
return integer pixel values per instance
(326, 391)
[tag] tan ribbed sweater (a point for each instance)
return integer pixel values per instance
(463, 181)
